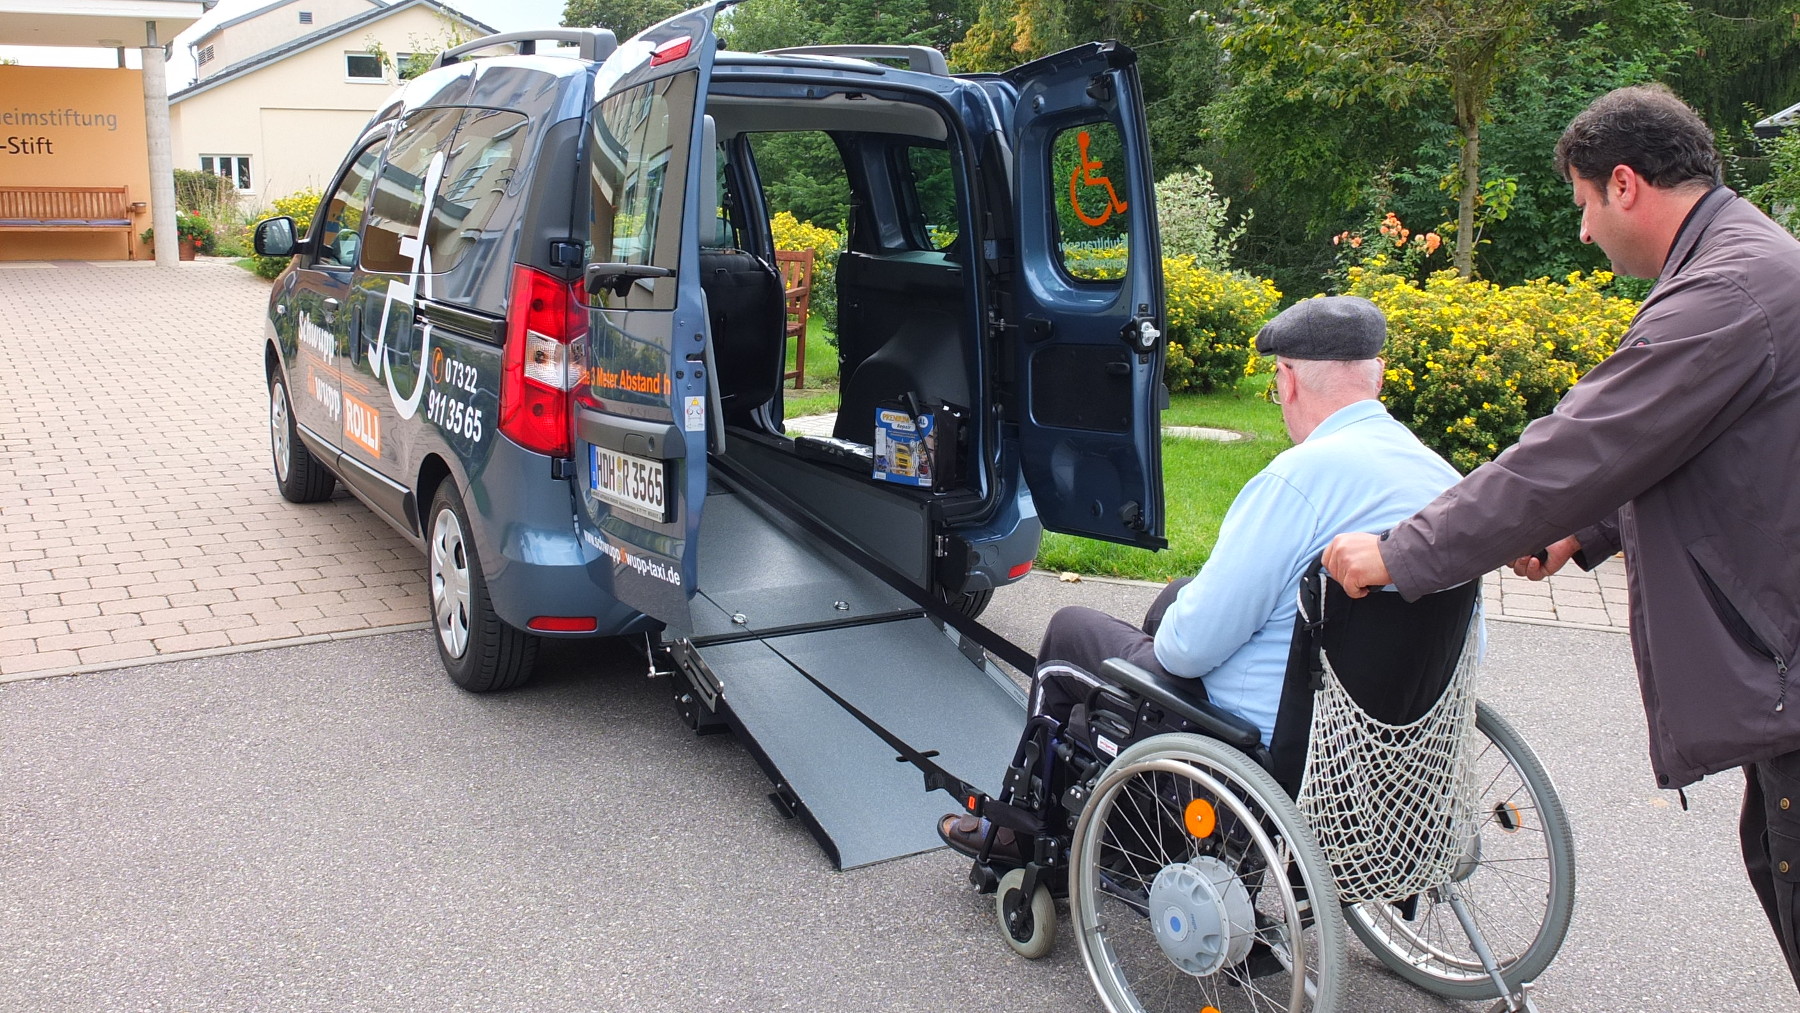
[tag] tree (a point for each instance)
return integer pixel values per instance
(1393, 51)
(1745, 53)
(625, 17)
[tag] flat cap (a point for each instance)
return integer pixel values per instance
(1337, 327)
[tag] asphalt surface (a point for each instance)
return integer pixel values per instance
(336, 827)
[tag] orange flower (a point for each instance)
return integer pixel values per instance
(1432, 242)
(1355, 241)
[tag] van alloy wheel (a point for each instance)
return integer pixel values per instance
(480, 651)
(301, 477)
(450, 582)
(278, 431)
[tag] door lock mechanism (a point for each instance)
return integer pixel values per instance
(1141, 334)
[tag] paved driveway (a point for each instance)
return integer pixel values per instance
(140, 517)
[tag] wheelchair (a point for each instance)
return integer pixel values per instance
(1206, 872)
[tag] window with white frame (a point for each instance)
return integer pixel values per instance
(363, 67)
(233, 167)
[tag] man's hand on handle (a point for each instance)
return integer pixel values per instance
(1547, 562)
(1354, 560)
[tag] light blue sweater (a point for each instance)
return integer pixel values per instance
(1359, 471)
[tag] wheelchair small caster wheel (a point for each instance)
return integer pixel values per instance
(1029, 924)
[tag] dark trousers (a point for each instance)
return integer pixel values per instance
(1769, 830)
(1085, 637)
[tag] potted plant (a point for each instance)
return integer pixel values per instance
(193, 234)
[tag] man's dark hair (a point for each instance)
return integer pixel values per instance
(1645, 127)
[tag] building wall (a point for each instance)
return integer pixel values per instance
(295, 118)
(272, 28)
(88, 131)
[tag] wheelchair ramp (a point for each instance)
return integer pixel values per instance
(831, 770)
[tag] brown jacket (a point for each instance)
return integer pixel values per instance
(1682, 449)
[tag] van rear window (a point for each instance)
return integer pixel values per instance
(1088, 165)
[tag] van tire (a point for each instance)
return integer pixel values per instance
(969, 603)
(480, 652)
(300, 476)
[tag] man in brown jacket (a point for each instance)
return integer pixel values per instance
(1682, 449)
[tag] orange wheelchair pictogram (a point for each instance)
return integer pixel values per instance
(1084, 176)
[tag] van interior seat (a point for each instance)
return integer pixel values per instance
(747, 310)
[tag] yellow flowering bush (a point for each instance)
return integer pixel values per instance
(1213, 317)
(300, 205)
(1469, 363)
(1211, 321)
(794, 234)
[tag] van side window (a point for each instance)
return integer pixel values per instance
(1088, 166)
(478, 173)
(933, 197)
(639, 154)
(397, 211)
(341, 215)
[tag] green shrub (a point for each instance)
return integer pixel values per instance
(1779, 195)
(1213, 317)
(1195, 221)
(1469, 363)
(300, 206)
(206, 194)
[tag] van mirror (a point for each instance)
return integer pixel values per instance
(275, 237)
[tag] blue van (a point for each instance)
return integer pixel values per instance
(537, 326)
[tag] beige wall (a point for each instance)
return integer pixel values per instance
(273, 28)
(111, 150)
(295, 118)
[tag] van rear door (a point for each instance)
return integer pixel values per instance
(1087, 297)
(643, 404)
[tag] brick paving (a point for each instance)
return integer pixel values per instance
(139, 517)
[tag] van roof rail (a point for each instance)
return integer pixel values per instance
(920, 58)
(594, 43)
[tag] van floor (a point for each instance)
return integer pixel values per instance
(776, 612)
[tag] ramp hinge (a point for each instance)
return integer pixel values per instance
(706, 685)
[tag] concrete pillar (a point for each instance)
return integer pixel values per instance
(162, 161)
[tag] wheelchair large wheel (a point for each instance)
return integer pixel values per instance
(1518, 881)
(1195, 884)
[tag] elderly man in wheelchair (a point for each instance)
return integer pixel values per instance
(1219, 789)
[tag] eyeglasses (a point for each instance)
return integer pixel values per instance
(1274, 393)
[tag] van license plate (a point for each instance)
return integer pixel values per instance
(634, 483)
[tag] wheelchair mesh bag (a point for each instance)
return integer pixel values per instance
(1386, 785)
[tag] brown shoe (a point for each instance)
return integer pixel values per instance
(966, 834)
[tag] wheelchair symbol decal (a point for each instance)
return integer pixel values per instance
(1084, 176)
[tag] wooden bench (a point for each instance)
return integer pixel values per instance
(69, 209)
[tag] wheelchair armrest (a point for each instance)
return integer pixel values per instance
(1209, 717)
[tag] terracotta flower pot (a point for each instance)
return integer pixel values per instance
(187, 247)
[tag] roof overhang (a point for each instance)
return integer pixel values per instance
(1774, 125)
(105, 24)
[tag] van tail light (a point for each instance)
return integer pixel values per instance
(545, 321)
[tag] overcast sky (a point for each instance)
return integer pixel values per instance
(501, 15)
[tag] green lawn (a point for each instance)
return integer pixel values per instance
(1200, 479)
(820, 395)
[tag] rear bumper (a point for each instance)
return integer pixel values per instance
(534, 562)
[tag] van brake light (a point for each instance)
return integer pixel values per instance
(546, 316)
